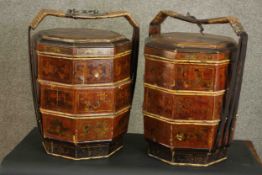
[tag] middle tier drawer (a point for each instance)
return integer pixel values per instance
(184, 105)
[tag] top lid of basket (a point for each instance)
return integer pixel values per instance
(189, 41)
(80, 35)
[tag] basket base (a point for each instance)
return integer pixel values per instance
(186, 157)
(82, 151)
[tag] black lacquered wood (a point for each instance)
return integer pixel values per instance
(28, 157)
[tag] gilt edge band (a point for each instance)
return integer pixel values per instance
(186, 61)
(83, 40)
(83, 158)
(81, 57)
(181, 122)
(187, 164)
(80, 86)
(185, 92)
(85, 116)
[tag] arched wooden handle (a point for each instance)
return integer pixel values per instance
(155, 25)
(81, 15)
(44, 13)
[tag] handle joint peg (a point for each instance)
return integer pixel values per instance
(197, 22)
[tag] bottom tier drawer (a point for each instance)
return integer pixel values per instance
(86, 129)
(174, 135)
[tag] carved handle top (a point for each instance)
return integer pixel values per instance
(162, 15)
(84, 14)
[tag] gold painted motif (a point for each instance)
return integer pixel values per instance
(100, 128)
(93, 105)
(180, 136)
(56, 128)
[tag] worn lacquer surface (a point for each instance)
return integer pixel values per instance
(185, 82)
(84, 91)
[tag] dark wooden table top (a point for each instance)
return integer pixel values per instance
(28, 157)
